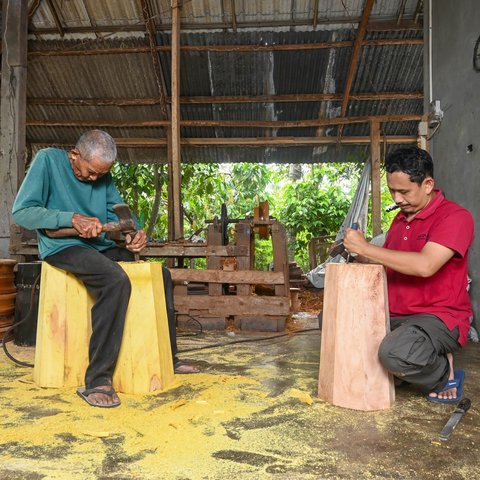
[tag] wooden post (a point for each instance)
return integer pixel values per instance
(280, 257)
(12, 112)
(213, 261)
(243, 236)
(376, 188)
(355, 321)
(176, 155)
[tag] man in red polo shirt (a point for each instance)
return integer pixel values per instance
(426, 256)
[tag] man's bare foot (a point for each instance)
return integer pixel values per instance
(451, 393)
(185, 368)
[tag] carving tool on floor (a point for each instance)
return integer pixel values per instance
(455, 417)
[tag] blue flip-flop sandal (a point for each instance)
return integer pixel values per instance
(457, 382)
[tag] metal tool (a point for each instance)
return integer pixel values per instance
(392, 207)
(126, 224)
(455, 417)
(338, 247)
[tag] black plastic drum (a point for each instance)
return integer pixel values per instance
(26, 304)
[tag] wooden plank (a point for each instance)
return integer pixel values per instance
(223, 276)
(159, 251)
(355, 321)
(198, 250)
(234, 304)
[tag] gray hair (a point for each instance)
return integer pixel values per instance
(99, 144)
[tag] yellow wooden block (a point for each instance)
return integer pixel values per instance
(64, 329)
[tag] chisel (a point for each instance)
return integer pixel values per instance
(455, 417)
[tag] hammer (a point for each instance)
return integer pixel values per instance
(125, 224)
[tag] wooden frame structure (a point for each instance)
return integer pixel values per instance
(20, 19)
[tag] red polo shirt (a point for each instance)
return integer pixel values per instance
(444, 294)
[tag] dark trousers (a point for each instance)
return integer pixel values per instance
(108, 283)
(416, 351)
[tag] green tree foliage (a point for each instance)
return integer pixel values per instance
(317, 204)
(313, 205)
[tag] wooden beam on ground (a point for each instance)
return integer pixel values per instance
(175, 166)
(12, 112)
(376, 180)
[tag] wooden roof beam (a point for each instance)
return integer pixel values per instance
(248, 141)
(401, 11)
(315, 13)
(418, 11)
(308, 97)
(56, 18)
(157, 69)
(352, 68)
(33, 10)
(374, 25)
(227, 123)
(234, 15)
(222, 48)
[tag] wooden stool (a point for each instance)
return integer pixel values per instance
(64, 329)
(355, 321)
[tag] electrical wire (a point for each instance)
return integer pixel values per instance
(193, 334)
(246, 340)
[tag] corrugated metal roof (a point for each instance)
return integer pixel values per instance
(117, 24)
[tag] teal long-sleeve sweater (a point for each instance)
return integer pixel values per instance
(49, 196)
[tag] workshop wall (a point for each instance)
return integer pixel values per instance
(456, 84)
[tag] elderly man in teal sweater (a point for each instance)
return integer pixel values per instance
(76, 189)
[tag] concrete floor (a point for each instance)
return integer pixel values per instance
(251, 414)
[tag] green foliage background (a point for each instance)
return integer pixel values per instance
(313, 202)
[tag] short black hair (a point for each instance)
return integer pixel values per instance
(415, 162)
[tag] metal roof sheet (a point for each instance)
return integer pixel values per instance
(95, 24)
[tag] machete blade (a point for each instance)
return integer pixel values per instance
(455, 417)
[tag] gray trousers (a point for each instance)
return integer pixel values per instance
(416, 351)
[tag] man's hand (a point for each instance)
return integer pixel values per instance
(354, 241)
(87, 227)
(135, 242)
